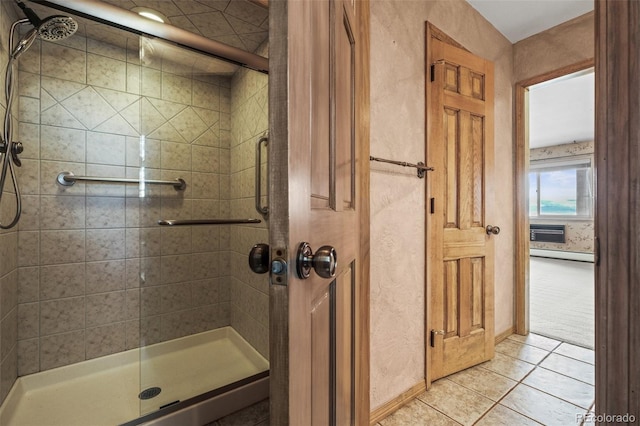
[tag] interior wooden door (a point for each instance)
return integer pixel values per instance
(460, 264)
(316, 166)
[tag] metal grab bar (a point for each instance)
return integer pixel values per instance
(173, 222)
(263, 210)
(68, 179)
(420, 166)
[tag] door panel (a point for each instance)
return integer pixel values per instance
(313, 182)
(460, 253)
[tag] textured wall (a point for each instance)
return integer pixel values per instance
(249, 121)
(566, 44)
(8, 245)
(578, 233)
(397, 196)
(97, 275)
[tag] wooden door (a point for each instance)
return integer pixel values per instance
(460, 326)
(318, 165)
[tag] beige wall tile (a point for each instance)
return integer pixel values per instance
(30, 218)
(106, 72)
(104, 148)
(28, 320)
(105, 212)
(8, 292)
(63, 212)
(150, 274)
(29, 109)
(65, 280)
(176, 88)
(62, 349)
(105, 244)
(132, 273)
(30, 137)
(28, 284)
(105, 276)
(109, 50)
(105, 340)
(205, 292)
(150, 301)
(176, 297)
(132, 304)
(8, 372)
(178, 268)
(62, 315)
(28, 248)
(151, 82)
(73, 68)
(29, 177)
(28, 357)
(62, 247)
(175, 240)
(8, 332)
(105, 308)
(176, 156)
(150, 241)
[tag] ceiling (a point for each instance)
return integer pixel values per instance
(562, 110)
(519, 19)
(239, 23)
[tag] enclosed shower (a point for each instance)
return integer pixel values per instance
(125, 289)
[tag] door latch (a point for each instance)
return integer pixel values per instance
(434, 333)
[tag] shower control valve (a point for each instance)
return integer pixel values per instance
(16, 149)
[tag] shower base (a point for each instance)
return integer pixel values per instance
(104, 391)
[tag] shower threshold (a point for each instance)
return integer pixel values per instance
(104, 391)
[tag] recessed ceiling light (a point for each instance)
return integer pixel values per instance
(150, 14)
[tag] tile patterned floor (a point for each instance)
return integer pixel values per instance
(532, 380)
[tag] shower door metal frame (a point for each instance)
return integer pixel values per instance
(132, 22)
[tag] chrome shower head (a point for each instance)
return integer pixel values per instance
(57, 27)
(52, 28)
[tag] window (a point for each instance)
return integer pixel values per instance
(561, 188)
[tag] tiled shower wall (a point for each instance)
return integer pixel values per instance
(8, 247)
(249, 121)
(96, 274)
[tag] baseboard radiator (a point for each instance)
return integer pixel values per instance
(542, 233)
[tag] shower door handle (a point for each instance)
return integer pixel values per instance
(259, 258)
(263, 210)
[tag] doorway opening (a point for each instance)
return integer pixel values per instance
(555, 215)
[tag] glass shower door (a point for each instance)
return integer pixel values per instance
(203, 317)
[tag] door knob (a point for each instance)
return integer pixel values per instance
(324, 262)
(259, 258)
(495, 230)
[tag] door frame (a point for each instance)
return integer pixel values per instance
(521, 170)
(279, 73)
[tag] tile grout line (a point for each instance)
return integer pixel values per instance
(521, 381)
(518, 382)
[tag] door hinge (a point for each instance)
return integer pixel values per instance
(596, 251)
(434, 333)
(433, 205)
